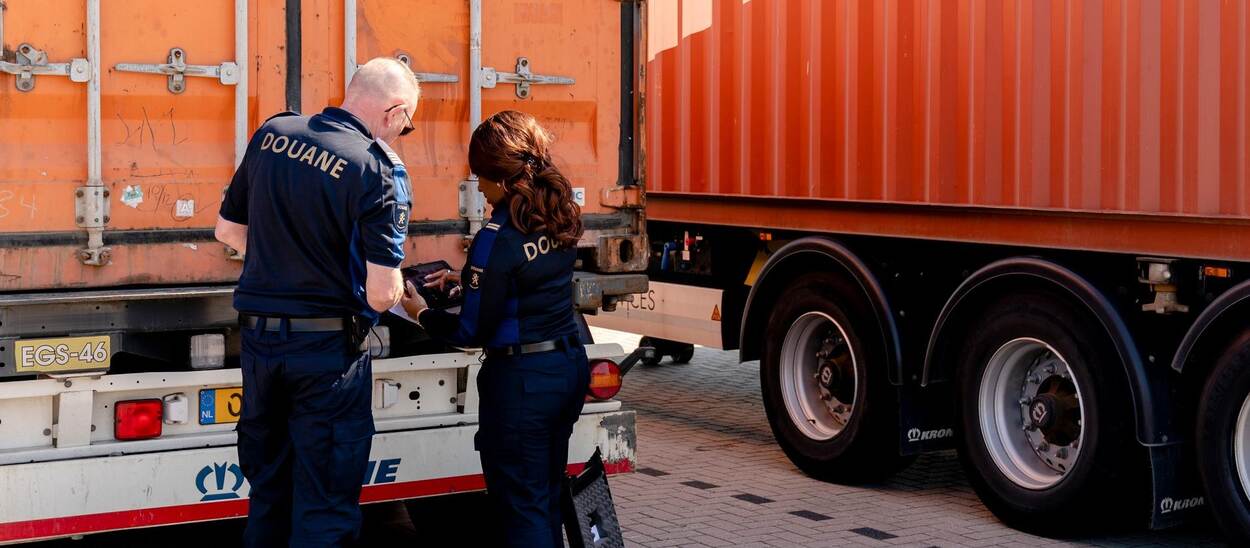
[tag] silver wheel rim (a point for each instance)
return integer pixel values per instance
(819, 376)
(1241, 446)
(1031, 411)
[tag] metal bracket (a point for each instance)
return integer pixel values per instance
(615, 253)
(426, 77)
(523, 78)
(472, 203)
(32, 62)
(623, 197)
(177, 69)
(1157, 273)
(592, 291)
(91, 211)
(91, 206)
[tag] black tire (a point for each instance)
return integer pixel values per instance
(656, 357)
(867, 448)
(683, 354)
(1226, 390)
(1105, 487)
(444, 520)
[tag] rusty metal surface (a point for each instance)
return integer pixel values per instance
(616, 253)
(1113, 107)
(592, 291)
(622, 197)
(1162, 235)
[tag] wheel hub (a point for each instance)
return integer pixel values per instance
(1042, 412)
(1031, 413)
(826, 376)
(818, 374)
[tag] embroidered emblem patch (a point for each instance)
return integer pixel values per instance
(401, 216)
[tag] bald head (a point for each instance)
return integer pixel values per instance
(382, 77)
(383, 94)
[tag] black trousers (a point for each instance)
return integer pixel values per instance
(529, 405)
(304, 437)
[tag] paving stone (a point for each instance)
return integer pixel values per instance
(704, 423)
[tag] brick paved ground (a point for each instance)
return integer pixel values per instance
(713, 476)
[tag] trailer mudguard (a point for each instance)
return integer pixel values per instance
(1215, 313)
(1151, 402)
(779, 267)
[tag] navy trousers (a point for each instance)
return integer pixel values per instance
(529, 405)
(304, 437)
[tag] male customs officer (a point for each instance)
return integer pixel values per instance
(320, 206)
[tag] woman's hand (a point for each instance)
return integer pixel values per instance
(412, 301)
(441, 278)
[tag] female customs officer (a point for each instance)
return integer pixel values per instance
(518, 305)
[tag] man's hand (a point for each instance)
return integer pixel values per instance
(412, 301)
(232, 234)
(383, 286)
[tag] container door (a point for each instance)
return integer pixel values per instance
(167, 78)
(560, 61)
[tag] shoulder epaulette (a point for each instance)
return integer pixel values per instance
(280, 115)
(391, 157)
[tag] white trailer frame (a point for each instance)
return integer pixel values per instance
(63, 474)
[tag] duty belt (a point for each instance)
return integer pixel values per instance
(300, 325)
(531, 348)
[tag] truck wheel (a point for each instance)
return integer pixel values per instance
(655, 359)
(683, 353)
(444, 520)
(825, 391)
(1224, 440)
(1047, 429)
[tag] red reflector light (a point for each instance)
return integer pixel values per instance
(605, 379)
(137, 419)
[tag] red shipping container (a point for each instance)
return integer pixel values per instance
(1113, 126)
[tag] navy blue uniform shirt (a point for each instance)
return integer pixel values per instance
(518, 290)
(320, 197)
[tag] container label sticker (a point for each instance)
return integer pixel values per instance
(184, 209)
(132, 196)
(579, 195)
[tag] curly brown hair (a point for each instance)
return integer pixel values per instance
(511, 148)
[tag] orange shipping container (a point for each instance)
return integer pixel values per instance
(1112, 126)
(122, 187)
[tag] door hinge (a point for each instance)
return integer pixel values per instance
(472, 205)
(426, 77)
(177, 70)
(523, 78)
(91, 211)
(32, 62)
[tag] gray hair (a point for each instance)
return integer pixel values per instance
(382, 78)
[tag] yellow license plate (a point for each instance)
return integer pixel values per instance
(68, 354)
(221, 405)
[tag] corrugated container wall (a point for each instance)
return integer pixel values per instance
(1116, 106)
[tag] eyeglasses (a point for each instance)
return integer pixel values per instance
(408, 128)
